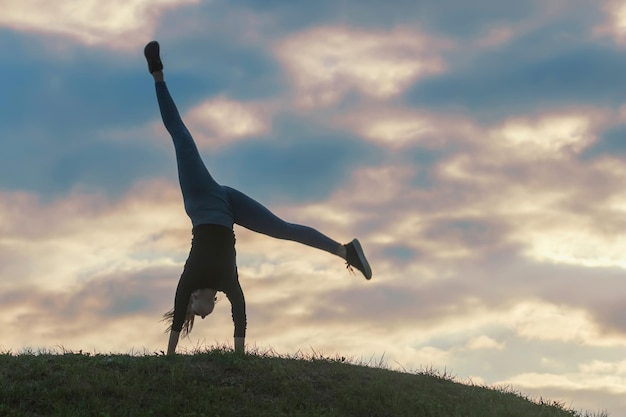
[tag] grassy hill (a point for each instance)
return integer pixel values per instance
(219, 383)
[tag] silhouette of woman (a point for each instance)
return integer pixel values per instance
(213, 209)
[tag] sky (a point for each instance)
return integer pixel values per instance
(477, 149)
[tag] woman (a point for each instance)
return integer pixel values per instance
(213, 209)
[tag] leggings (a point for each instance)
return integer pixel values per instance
(207, 202)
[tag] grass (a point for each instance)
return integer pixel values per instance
(219, 383)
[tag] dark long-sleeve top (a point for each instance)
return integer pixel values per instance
(211, 264)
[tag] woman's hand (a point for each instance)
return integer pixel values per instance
(171, 346)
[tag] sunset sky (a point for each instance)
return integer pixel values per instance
(476, 148)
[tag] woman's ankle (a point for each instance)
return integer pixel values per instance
(158, 76)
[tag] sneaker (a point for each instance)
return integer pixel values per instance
(356, 258)
(151, 51)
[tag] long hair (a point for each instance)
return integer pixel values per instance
(187, 324)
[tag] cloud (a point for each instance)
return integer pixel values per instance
(608, 383)
(484, 342)
(552, 135)
(396, 128)
(541, 321)
(614, 25)
(119, 24)
(327, 63)
(82, 266)
(542, 67)
(603, 367)
(533, 195)
(85, 235)
(522, 174)
(297, 163)
(610, 144)
(495, 36)
(220, 121)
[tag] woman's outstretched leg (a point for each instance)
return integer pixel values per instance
(205, 200)
(252, 215)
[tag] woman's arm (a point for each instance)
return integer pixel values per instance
(171, 346)
(238, 309)
(240, 344)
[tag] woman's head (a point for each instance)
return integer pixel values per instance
(201, 303)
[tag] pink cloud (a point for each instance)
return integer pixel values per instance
(122, 24)
(325, 63)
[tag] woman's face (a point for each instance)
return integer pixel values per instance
(203, 302)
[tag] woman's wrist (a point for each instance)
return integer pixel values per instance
(173, 341)
(239, 344)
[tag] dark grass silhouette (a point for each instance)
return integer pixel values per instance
(221, 383)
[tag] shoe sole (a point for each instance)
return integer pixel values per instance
(359, 252)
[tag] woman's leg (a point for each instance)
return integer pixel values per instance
(193, 174)
(252, 215)
(205, 200)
